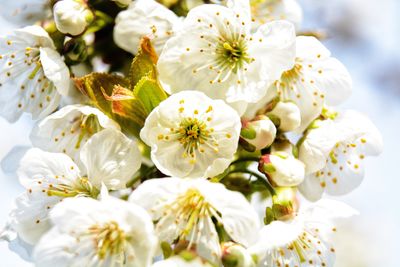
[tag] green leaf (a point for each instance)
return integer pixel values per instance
(143, 77)
(144, 63)
(108, 93)
(150, 93)
(94, 86)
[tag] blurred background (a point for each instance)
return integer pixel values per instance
(365, 36)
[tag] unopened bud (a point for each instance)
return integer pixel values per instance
(288, 115)
(235, 255)
(72, 16)
(259, 133)
(282, 169)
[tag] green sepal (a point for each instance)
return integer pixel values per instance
(166, 250)
(269, 216)
(248, 132)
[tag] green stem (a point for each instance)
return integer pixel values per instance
(258, 176)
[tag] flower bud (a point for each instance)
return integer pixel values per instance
(282, 169)
(72, 16)
(288, 115)
(259, 133)
(235, 255)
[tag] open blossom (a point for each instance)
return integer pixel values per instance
(72, 16)
(68, 129)
(144, 18)
(216, 53)
(316, 79)
(191, 135)
(109, 158)
(334, 151)
(92, 233)
(303, 240)
(33, 75)
(184, 210)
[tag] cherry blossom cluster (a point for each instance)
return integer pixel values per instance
(178, 133)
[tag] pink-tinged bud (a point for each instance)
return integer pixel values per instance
(282, 169)
(259, 133)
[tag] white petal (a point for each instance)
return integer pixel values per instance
(110, 158)
(144, 18)
(315, 149)
(55, 69)
(277, 49)
(40, 171)
(239, 218)
(62, 131)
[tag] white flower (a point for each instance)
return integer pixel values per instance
(261, 132)
(283, 168)
(334, 152)
(301, 241)
(32, 74)
(68, 129)
(191, 135)
(184, 209)
(263, 11)
(110, 158)
(237, 253)
(316, 78)
(144, 18)
(178, 261)
(72, 16)
(92, 233)
(215, 52)
(288, 114)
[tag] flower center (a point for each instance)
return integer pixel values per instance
(232, 54)
(82, 187)
(191, 133)
(192, 207)
(109, 239)
(88, 126)
(292, 74)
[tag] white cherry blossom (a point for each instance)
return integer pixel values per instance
(69, 128)
(316, 78)
(334, 152)
(110, 158)
(184, 209)
(216, 53)
(304, 240)
(144, 18)
(92, 233)
(191, 135)
(33, 75)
